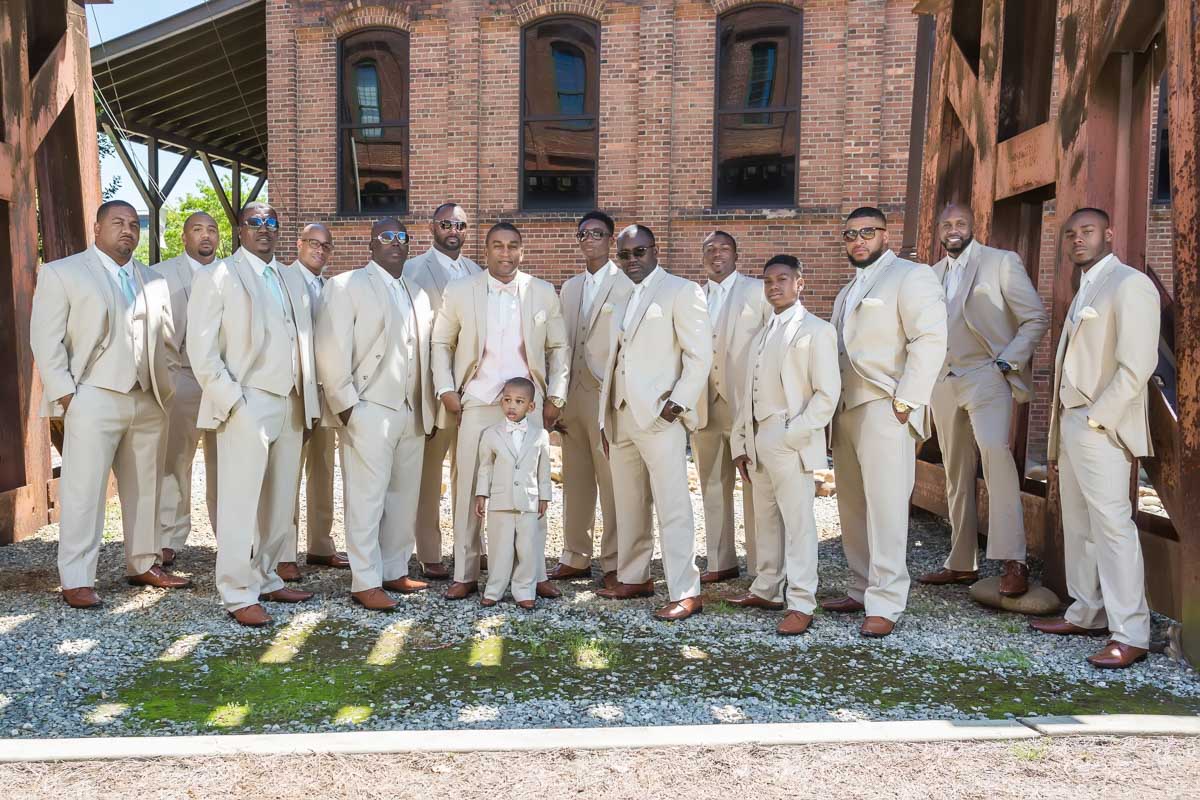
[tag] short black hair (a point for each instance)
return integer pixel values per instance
(1099, 212)
(728, 236)
(600, 215)
(524, 384)
(639, 229)
(109, 205)
(791, 262)
(502, 226)
(867, 211)
(443, 207)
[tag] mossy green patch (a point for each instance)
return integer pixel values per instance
(344, 674)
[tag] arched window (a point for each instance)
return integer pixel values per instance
(757, 107)
(373, 122)
(560, 93)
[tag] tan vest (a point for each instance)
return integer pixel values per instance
(276, 370)
(716, 377)
(618, 390)
(1068, 395)
(126, 355)
(965, 352)
(856, 390)
(767, 397)
(581, 374)
(396, 381)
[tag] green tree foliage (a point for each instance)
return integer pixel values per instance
(106, 149)
(202, 197)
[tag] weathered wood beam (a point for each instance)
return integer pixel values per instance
(934, 157)
(52, 87)
(128, 163)
(985, 116)
(177, 173)
(1027, 161)
(254, 190)
(7, 166)
(1130, 27)
(963, 92)
(230, 214)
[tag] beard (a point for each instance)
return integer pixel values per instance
(865, 262)
(956, 253)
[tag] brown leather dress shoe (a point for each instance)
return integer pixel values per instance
(628, 591)
(842, 605)
(564, 572)
(876, 627)
(1117, 655)
(719, 575)
(288, 571)
(751, 600)
(609, 580)
(159, 578)
(374, 600)
(336, 561)
(794, 624)
(81, 597)
(548, 590)
(1060, 627)
(286, 595)
(459, 590)
(436, 571)
(525, 604)
(945, 577)
(168, 557)
(254, 616)
(487, 602)
(680, 609)
(1014, 581)
(405, 585)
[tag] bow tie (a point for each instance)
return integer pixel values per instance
(508, 288)
(511, 426)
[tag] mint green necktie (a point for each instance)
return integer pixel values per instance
(127, 286)
(272, 280)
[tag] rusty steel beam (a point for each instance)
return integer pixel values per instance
(1027, 161)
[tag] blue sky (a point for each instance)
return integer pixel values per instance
(107, 22)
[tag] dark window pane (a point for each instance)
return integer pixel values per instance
(560, 164)
(570, 78)
(1162, 155)
(374, 173)
(374, 77)
(757, 63)
(756, 160)
(368, 97)
(562, 74)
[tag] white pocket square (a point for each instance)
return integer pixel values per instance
(872, 302)
(1087, 312)
(607, 308)
(983, 287)
(654, 311)
(803, 340)
(539, 318)
(747, 311)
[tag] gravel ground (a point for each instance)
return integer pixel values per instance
(1027, 770)
(156, 662)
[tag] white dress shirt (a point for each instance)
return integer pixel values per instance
(591, 285)
(718, 293)
(517, 431)
(636, 297)
(193, 263)
(137, 333)
(454, 267)
(503, 350)
(401, 304)
(260, 268)
(864, 275)
(779, 321)
(1086, 280)
(954, 270)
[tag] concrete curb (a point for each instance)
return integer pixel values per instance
(461, 741)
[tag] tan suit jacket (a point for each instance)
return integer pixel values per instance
(1108, 354)
(70, 324)
(426, 271)
(742, 316)
(1002, 309)
(227, 330)
(812, 384)
(895, 336)
(354, 328)
(178, 273)
(511, 480)
(460, 332)
(667, 351)
(597, 339)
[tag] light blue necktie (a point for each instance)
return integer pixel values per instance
(127, 286)
(272, 280)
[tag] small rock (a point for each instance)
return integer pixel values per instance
(1037, 601)
(827, 489)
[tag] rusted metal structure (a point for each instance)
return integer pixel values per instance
(49, 190)
(1004, 138)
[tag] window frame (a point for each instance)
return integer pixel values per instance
(1162, 178)
(403, 122)
(525, 118)
(797, 62)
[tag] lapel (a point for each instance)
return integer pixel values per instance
(795, 327)
(384, 293)
(873, 279)
(839, 306)
(967, 282)
(480, 292)
(255, 288)
(436, 273)
(525, 304)
(733, 308)
(107, 290)
(1090, 293)
(643, 304)
(599, 300)
(940, 268)
(526, 443)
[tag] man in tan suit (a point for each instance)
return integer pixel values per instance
(372, 344)
(787, 400)
(1099, 427)
(657, 368)
(313, 248)
(995, 321)
(737, 310)
(891, 323)
(105, 348)
(493, 326)
(200, 238)
(432, 270)
(250, 342)
(589, 302)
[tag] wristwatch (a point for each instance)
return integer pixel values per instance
(676, 409)
(1096, 426)
(1004, 366)
(901, 406)
(557, 402)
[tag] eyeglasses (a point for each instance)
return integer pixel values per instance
(452, 225)
(387, 237)
(326, 247)
(270, 223)
(636, 252)
(591, 233)
(867, 234)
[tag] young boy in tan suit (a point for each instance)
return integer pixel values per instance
(514, 471)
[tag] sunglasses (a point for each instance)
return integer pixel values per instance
(326, 247)
(867, 234)
(636, 252)
(591, 233)
(270, 223)
(452, 225)
(387, 237)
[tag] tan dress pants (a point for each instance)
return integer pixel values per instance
(124, 432)
(183, 437)
(429, 508)
(586, 474)
(714, 463)
(316, 465)
(516, 546)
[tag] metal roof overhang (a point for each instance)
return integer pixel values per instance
(193, 81)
